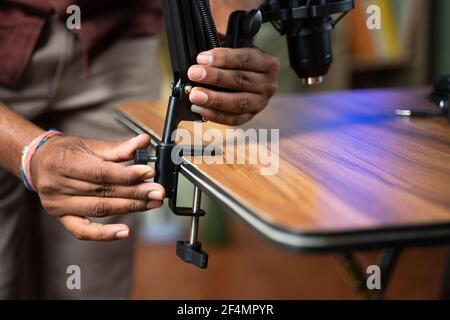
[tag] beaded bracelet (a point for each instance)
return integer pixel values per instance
(27, 155)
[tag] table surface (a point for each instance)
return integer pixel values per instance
(351, 173)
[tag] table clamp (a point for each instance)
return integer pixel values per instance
(168, 158)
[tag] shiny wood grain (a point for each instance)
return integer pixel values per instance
(347, 163)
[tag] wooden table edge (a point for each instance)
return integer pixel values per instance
(364, 239)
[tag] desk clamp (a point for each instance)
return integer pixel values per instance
(190, 30)
(189, 251)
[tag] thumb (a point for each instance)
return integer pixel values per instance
(120, 151)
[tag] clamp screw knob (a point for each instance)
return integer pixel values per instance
(142, 157)
(192, 253)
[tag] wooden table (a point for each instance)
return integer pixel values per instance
(352, 175)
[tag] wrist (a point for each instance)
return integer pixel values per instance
(28, 153)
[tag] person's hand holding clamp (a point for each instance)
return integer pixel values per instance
(78, 179)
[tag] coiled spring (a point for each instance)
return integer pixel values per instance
(208, 24)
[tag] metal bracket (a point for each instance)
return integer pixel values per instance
(189, 251)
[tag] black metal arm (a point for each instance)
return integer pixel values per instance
(190, 30)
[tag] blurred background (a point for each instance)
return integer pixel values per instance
(412, 49)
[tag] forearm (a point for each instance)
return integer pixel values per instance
(15, 132)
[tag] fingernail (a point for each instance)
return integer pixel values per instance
(199, 97)
(156, 195)
(146, 172)
(149, 175)
(197, 73)
(138, 137)
(197, 109)
(154, 205)
(204, 58)
(122, 234)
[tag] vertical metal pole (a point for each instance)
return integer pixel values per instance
(195, 219)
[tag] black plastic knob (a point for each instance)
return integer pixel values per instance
(252, 24)
(192, 253)
(142, 157)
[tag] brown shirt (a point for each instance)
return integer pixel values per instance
(102, 23)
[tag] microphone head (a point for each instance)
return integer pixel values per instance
(311, 53)
(307, 25)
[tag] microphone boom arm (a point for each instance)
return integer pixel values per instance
(190, 30)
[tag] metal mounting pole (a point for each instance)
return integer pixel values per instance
(195, 219)
(191, 250)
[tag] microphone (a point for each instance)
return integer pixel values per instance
(307, 25)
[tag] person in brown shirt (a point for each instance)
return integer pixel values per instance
(52, 77)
